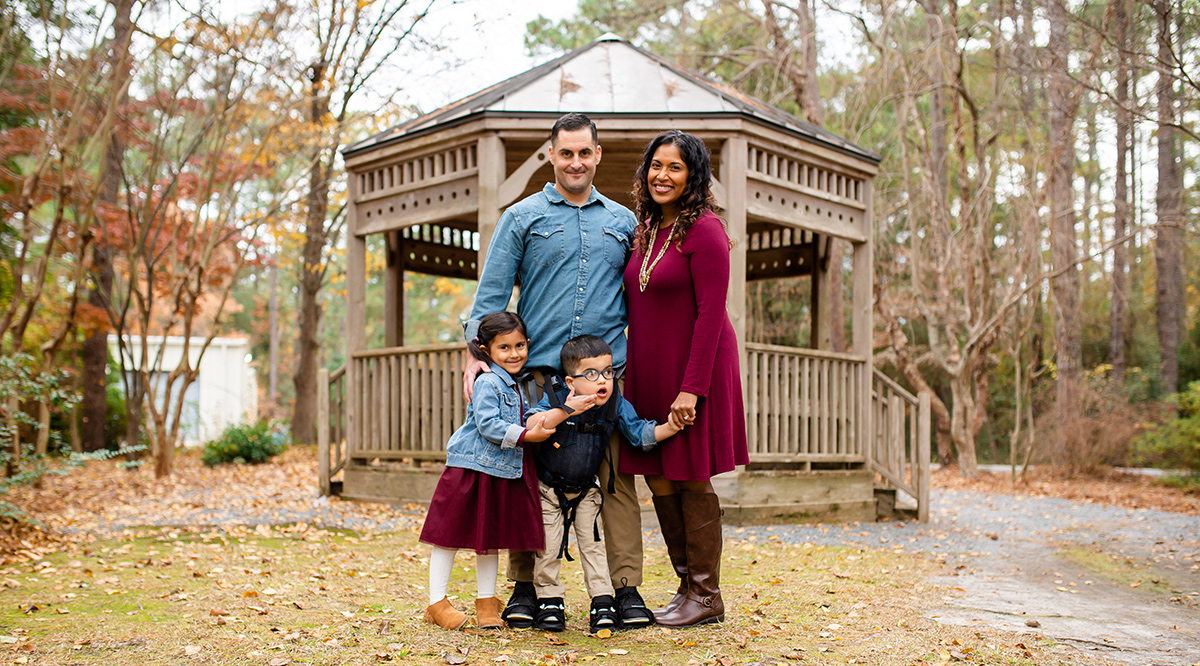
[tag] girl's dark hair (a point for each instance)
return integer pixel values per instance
(697, 197)
(496, 323)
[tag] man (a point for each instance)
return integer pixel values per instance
(568, 246)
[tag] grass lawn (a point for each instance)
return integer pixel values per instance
(301, 595)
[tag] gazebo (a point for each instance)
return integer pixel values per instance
(828, 434)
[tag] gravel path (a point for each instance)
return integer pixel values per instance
(1123, 583)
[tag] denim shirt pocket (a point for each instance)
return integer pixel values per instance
(616, 248)
(547, 243)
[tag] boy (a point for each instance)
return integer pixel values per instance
(583, 413)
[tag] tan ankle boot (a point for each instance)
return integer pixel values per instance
(487, 613)
(445, 616)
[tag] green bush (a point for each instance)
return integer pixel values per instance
(246, 443)
(1175, 443)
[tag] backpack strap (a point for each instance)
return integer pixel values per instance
(569, 509)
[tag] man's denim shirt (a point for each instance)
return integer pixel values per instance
(570, 260)
(636, 430)
(487, 441)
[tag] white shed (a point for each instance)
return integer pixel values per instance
(225, 391)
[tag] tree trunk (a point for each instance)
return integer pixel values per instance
(273, 336)
(304, 422)
(1063, 106)
(1168, 242)
(94, 405)
(312, 272)
(1116, 330)
(961, 422)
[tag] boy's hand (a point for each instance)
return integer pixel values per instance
(579, 403)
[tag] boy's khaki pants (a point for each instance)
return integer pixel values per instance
(621, 515)
(547, 564)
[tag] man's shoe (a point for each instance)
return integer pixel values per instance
(522, 606)
(631, 609)
(604, 614)
(551, 614)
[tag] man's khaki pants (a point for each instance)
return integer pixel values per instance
(621, 516)
(546, 563)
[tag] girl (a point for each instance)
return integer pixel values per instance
(487, 497)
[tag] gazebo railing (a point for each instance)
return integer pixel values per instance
(331, 425)
(900, 445)
(407, 401)
(804, 405)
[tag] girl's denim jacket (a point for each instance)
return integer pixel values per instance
(487, 441)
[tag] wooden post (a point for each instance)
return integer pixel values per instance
(923, 456)
(491, 178)
(733, 177)
(323, 430)
(356, 319)
(822, 318)
(863, 308)
(393, 291)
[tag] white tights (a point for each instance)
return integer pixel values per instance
(441, 561)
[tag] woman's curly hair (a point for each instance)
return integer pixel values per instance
(697, 197)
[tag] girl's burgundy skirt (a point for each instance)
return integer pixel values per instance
(475, 511)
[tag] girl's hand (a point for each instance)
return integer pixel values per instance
(579, 403)
(536, 432)
(683, 410)
(674, 423)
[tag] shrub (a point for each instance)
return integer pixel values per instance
(246, 443)
(1174, 443)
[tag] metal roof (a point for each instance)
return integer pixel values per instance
(610, 76)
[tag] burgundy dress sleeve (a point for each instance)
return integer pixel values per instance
(707, 249)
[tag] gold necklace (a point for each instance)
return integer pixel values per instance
(647, 265)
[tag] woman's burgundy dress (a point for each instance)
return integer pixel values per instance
(681, 339)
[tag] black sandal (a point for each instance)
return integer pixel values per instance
(604, 614)
(632, 609)
(551, 614)
(521, 609)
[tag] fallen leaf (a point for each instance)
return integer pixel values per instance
(604, 633)
(452, 658)
(280, 661)
(191, 650)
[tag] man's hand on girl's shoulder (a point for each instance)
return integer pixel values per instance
(471, 369)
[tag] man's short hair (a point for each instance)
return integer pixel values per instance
(571, 123)
(578, 348)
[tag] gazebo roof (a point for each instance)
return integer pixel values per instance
(610, 77)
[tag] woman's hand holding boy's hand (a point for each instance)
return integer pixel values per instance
(684, 408)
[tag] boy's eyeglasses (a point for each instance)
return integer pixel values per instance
(592, 374)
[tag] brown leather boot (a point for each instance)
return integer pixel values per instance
(670, 521)
(702, 603)
(487, 613)
(445, 616)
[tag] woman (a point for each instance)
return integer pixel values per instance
(683, 360)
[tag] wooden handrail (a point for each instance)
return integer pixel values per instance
(415, 349)
(891, 383)
(797, 351)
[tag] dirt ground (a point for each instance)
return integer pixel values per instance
(1002, 574)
